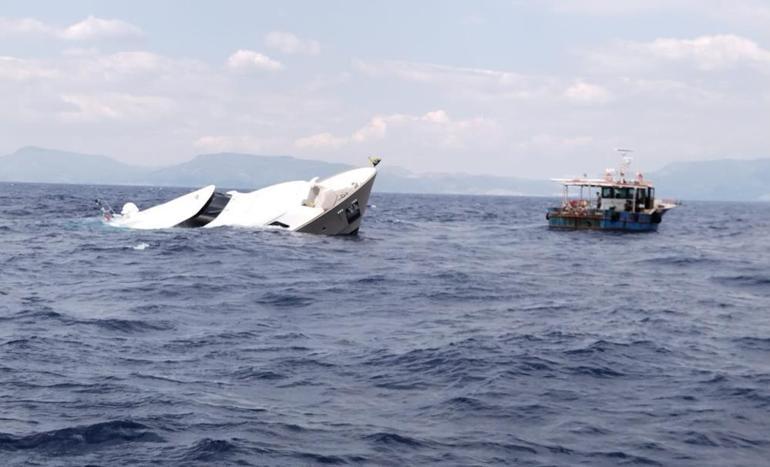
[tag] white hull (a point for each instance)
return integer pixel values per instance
(333, 206)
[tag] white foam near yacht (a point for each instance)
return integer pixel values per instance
(332, 206)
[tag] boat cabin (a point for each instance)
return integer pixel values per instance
(626, 198)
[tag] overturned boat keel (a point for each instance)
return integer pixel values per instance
(333, 206)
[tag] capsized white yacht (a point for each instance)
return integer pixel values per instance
(332, 206)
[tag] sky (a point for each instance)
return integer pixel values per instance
(534, 89)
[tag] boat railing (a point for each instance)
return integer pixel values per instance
(579, 210)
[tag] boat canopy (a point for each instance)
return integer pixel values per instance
(601, 182)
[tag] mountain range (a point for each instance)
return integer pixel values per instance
(728, 179)
(243, 171)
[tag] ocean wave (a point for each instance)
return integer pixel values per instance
(211, 450)
(595, 371)
(309, 458)
(602, 346)
(128, 326)
(109, 324)
(753, 343)
(391, 439)
(463, 403)
(285, 300)
(692, 260)
(79, 438)
(744, 280)
(249, 374)
(465, 334)
(622, 458)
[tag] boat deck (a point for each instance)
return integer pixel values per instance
(596, 219)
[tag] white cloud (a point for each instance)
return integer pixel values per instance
(612, 7)
(728, 14)
(133, 61)
(90, 28)
(228, 144)
(16, 69)
(93, 28)
(320, 141)
(704, 54)
(115, 106)
(486, 85)
(375, 129)
(87, 88)
(550, 142)
(668, 92)
(289, 43)
(130, 102)
(23, 26)
(249, 59)
(437, 125)
(476, 83)
(586, 93)
(745, 12)
(733, 10)
(87, 70)
(693, 95)
(707, 52)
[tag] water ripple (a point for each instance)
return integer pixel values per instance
(454, 330)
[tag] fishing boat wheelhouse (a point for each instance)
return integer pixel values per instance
(609, 203)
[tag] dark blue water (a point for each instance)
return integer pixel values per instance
(454, 330)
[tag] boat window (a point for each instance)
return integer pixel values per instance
(353, 211)
(624, 193)
(648, 203)
(607, 192)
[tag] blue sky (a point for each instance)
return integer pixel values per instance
(525, 88)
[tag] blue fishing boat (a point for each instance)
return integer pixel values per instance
(613, 202)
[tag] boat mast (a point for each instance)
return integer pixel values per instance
(626, 162)
(624, 152)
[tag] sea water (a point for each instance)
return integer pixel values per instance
(454, 330)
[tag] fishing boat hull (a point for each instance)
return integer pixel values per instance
(604, 220)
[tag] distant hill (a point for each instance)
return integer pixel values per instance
(397, 180)
(32, 164)
(739, 180)
(244, 171)
(726, 179)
